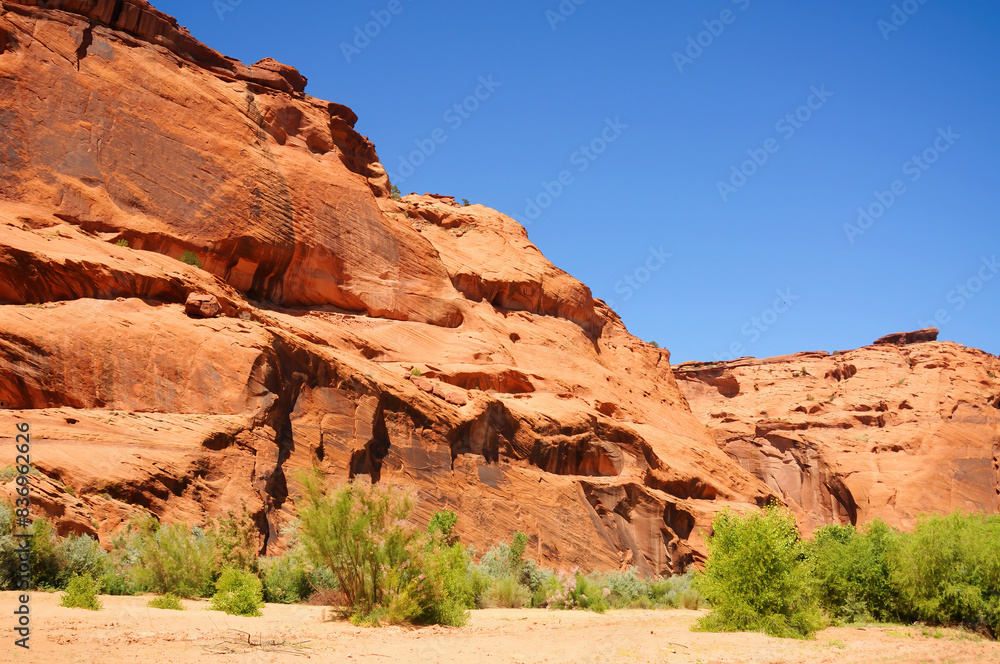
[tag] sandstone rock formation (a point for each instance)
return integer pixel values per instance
(887, 431)
(418, 342)
(415, 342)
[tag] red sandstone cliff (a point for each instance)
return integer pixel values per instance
(533, 410)
(892, 430)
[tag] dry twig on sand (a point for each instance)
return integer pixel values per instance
(244, 642)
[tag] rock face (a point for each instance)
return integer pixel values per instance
(416, 342)
(887, 431)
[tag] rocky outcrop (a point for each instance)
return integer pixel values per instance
(413, 342)
(891, 431)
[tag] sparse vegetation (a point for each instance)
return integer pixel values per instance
(415, 372)
(238, 593)
(465, 202)
(190, 258)
(169, 601)
(81, 594)
(756, 578)
(122, 243)
(991, 374)
(394, 193)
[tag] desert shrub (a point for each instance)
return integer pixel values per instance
(505, 593)
(756, 578)
(44, 557)
(122, 243)
(169, 601)
(191, 258)
(852, 571)
(573, 590)
(238, 593)
(175, 559)
(236, 541)
(678, 592)
(81, 593)
(948, 571)
(395, 194)
(386, 570)
(625, 589)
(285, 578)
(79, 556)
(120, 575)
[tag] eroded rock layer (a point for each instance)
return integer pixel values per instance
(893, 430)
(316, 322)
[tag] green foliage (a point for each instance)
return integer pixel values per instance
(44, 557)
(285, 578)
(386, 570)
(852, 571)
(174, 559)
(948, 571)
(238, 593)
(81, 594)
(394, 192)
(415, 372)
(122, 243)
(191, 258)
(506, 592)
(169, 601)
(79, 556)
(654, 344)
(756, 578)
(441, 528)
(465, 202)
(236, 541)
(573, 590)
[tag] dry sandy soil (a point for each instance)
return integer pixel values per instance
(126, 631)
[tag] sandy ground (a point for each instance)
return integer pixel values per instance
(127, 631)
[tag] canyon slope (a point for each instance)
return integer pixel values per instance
(318, 322)
(904, 427)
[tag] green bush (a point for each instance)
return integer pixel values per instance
(505, 593)
(175, 559)
(394, 193)
(285, 578)
(78, 556)
(948, 572)
(122, 243)
(191, 258)
(756, 578)
(169, 601)
(852, 571)
(386, 570)
(81, 593)
(236, 541)
(238, 593)
(573, 590)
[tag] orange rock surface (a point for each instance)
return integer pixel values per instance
(416, 342)
(891, 430)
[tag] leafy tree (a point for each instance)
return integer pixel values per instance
(756, 578)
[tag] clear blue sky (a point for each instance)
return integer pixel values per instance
(927, 87)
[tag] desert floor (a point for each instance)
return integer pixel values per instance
(127, 631)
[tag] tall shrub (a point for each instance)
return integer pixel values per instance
(755, 576)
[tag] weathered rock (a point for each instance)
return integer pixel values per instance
(202, 305)
(535, 410)
(904, 338)
(887, 431)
